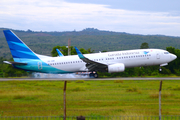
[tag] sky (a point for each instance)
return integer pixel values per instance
(146, 17)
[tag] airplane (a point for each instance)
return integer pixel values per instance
(116, 61)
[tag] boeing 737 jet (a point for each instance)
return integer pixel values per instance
(117, 61)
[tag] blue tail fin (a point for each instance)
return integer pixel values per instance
(19, 50)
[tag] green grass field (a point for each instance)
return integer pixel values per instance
(89, 98)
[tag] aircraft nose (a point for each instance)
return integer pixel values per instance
(173, 57)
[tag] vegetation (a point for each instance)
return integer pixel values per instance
(89, 98)
(144, 45)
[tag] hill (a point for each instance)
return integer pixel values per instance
(97, 40)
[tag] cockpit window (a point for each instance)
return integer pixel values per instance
(166, 52)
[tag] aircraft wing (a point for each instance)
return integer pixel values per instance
(92, 65)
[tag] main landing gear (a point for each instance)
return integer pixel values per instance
(93, 74)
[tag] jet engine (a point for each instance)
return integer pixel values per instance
(118, 67)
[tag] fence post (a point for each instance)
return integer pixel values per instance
(64, 92)
(160, 87)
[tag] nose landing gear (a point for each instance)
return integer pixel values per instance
(160, 69)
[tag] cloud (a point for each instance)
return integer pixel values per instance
(59, 15)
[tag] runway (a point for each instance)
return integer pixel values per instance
(88, 79)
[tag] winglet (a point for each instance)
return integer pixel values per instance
(79, 53)
(60, 54)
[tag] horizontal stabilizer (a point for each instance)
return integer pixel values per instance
(14, 63)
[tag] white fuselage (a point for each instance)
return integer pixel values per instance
(130, 58)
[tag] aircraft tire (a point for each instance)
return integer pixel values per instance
(95, 75)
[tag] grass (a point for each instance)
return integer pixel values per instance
(87, 98)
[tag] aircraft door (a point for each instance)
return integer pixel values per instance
(158, 55)
(40, 65)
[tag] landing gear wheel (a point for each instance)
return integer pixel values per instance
(93, 75)
(160, 69)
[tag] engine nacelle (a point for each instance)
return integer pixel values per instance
(118, 67)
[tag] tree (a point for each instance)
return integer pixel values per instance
(90, 51)
(63, 49)
(144, 45)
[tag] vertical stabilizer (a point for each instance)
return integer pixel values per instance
(19, 50)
